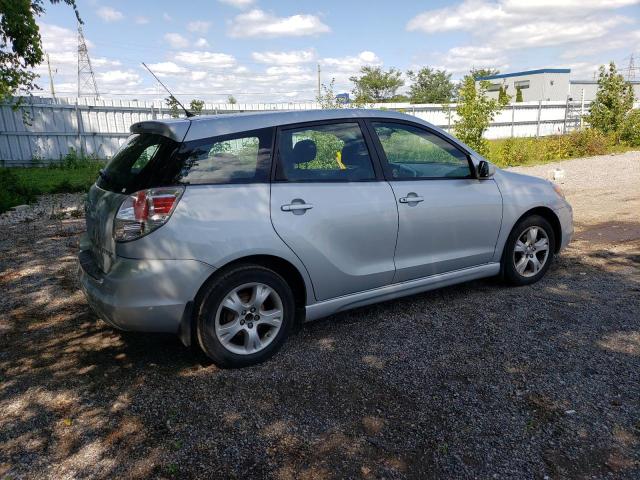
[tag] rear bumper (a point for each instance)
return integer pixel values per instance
(565, 215)
(142, 295)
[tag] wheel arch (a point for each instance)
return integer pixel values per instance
(550, 216)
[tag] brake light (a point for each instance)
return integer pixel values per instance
(145, 211)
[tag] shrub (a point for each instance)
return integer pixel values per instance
(613, 100)
(631, 129)
(12, 191)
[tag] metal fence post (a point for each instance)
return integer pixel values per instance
(566, 112)
(539, 113)
(79, 122)
(513, 118)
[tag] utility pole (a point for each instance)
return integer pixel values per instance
(53, 90)
(319, 94)
(87, 85)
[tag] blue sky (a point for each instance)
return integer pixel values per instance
(263, 51)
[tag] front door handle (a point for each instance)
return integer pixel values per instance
(296, 207)
(411, 199)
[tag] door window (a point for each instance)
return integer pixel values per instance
(416, 153)
(331, 152)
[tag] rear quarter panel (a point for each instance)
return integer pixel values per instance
(217, 224)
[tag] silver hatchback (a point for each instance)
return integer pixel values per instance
(228, 230)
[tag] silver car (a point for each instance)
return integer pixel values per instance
(227, 230)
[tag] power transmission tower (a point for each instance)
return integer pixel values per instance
(53, 90)
(87, 86)
(631, 69)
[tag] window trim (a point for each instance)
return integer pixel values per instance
(373, 153)
(268, 157)
(386, 167)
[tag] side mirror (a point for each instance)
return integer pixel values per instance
(485, 169)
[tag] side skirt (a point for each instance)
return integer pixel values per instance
(397, 290)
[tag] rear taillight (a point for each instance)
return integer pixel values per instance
(144, 211)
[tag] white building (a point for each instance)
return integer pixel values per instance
(546, 84)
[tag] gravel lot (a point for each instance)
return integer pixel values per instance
(472, 381)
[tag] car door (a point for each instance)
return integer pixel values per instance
(448, 219)
(332, 207)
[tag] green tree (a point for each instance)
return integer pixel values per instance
(174, 106)
(483, 72)
(196, 106)
(475, 112)
(613, 101)
(375, 85)
(430, 86)
(503, 96)
(21, 45)
(519, 94)
(231, 100)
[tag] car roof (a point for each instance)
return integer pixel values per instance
(194, 128)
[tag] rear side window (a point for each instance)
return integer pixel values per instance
(239, 158)
(328, 152)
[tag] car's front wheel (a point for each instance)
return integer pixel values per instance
(245, 316)
(529, 251)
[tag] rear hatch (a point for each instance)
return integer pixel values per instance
(145, 160)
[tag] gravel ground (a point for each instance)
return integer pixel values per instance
(472, 381)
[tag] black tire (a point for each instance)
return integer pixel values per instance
(510, 273)
(216, 293)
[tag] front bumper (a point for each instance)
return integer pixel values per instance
(142, 295)
(565, 215)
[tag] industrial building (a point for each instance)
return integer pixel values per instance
(547, 84)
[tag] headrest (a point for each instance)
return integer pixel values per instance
(304, 151)
(355, 154)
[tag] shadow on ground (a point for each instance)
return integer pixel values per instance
(469, 381)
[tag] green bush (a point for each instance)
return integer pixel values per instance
(630, 134)
(12, 191)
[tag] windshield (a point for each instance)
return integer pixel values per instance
(145, 160)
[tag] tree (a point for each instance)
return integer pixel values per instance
(613, 101)
(519, 94)
(174, 106)
(503, 96)
(475, 112)
(231, 100)
(21, 45)
(196, 106)
(430, 86)
(376, 85)
(483, 72)
(327, 98)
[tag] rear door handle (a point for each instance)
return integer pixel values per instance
(295, 207)
(415, 199)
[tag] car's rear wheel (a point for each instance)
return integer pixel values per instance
(245, 316)
(529, 251)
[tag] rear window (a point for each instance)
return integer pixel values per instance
(143, 161)
(149, 160)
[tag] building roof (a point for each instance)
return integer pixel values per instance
(526, 72)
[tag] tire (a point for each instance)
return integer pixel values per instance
(521, 250)
(227, 326)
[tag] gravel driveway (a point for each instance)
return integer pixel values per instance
(472, 381)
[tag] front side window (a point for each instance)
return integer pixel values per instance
(416, 153)
(241, 158)
(331, 152)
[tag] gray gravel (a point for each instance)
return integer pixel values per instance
(472, 381)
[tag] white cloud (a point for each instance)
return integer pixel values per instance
(286, 70)
(292, 57)
(237, 3)
(198, 26)
(258, 23)
(109, 14)
(141, 20)
(167, 68)
(166, 17)
(459, 60)
(201, 43)
(197, 76)
(206, 59)
(352, 63)
(176, 40)
(119, 78)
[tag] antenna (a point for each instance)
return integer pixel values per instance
(186, 112)
(87, 85)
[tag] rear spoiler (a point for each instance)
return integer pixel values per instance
(173, 129)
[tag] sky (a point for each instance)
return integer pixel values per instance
(260, 51)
